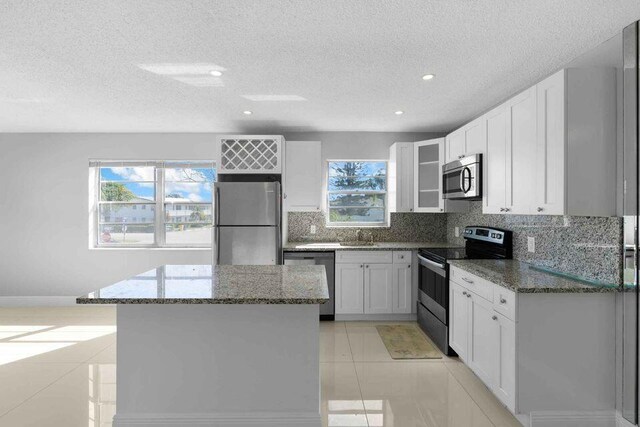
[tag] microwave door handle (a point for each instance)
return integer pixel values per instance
(462, 179)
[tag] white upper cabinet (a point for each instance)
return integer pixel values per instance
(427, 175)
(454, 145)
(576, 158)
(475, 137)
(494, 188)
(400, 177)
(468, 140)
(428, 160)
(303, 176)
(550, 146)
(521, 141)
(250, 154)
(509, 178)
(551, 150)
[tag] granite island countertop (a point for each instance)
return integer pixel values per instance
(525, 278)
(222, 284)
(377, 246)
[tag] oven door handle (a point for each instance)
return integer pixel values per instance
(429, 262)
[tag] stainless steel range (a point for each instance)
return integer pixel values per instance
(433, 293)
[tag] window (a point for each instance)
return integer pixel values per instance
(357, 193)
(181, 192)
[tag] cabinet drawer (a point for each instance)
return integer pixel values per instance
(368, 257)
(504, 302)
(477, 285)
(402, 257)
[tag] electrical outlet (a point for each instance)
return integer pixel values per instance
(313, 229)
(531, 244)
(456, 231)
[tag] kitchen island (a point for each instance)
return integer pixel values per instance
(202, 345)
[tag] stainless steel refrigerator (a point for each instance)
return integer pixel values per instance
(247, 223)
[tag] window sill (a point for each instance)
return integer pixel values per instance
(102, 248)
(357, 226)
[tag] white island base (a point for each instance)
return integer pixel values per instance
(218, 365)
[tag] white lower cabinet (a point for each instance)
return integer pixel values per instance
(378, 288)
(482, 348)
(504, 374)
(349, 288)
(373, 282)
(535, 351)
(402, 295)
(458, 319)
(484, 339)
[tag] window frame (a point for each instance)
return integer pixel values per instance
(159, 225)
(334, 224)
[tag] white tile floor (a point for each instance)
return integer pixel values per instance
(57, 369)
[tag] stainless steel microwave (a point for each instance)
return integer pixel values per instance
(462, 178)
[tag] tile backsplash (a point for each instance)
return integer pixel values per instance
(589, 247)
(404, 227)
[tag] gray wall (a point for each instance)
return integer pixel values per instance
(44, 241)
(44, 227)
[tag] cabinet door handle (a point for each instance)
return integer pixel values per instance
(501, 209)
(467, 280)
(494, 317)
(367, 266)
(503, 301)
(468, 295)
(464, 292)
(361, 265)
(409, 266)
(540, 209)
(507, 209)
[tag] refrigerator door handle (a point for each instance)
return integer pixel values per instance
(216, 220)
(277, 194)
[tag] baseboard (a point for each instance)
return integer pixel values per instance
(573, 419)
(621, 422)
(37, 301)
(377, 317)
(267, 419)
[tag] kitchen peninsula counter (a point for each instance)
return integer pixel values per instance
(218, 345)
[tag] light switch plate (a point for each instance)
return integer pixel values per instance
(531, 244)
(313, 229)
(456, 231)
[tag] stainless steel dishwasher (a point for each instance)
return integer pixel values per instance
(327, 310)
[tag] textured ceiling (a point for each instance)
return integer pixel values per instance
(141, 66)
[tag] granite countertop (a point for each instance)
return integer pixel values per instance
(378, 246)
(525, 278)
(224, 284)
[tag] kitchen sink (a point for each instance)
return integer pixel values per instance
(357, 243)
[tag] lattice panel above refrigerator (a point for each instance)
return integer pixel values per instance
(250, 154)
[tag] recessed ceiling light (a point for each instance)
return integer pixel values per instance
(428, 76)
(247, 112)
(215, 73)
(399, 112)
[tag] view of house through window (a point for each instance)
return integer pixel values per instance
(154, 204)
(357, 192)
